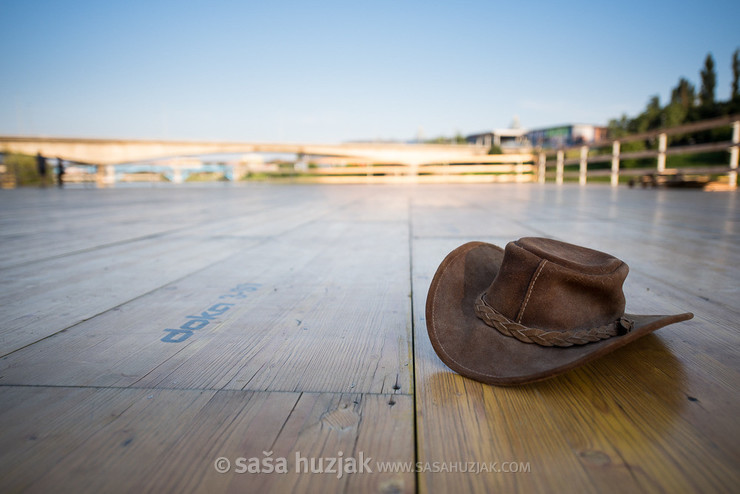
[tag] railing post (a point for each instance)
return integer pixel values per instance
(541, 168)
(583, 165)
(615, 163)
(559, 169)
(662, 146)
(7, 176)
(734, 154)
(238, 171)
(518, 171)
(414, 170)
(177, 175)
(106, 175)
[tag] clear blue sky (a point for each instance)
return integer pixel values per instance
(333, 71)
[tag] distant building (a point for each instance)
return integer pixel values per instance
(566, 135)
(549, 137)
(505, 138)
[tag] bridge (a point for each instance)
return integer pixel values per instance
(121, 151)
(107, 153)
(404, 159)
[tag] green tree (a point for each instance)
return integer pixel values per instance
(620, 128)
(683, 99)
(674, 115)
(685, 106)
(684, 94)
(651, 118)
(708, 82)
(23, 167)
(735, 75)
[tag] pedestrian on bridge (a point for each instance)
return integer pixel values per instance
(60, 172)
(41, 168)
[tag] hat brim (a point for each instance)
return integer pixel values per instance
(473, 349)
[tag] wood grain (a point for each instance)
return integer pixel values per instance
(93, 440)
(645, 418)
(324, 349)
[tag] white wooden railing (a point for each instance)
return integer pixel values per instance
(616, 157)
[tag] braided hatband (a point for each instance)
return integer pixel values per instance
(542, 337)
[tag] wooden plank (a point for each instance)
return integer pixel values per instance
(700, 148)
(426, 169)
(645, 226)
(655, 415)
(74, 288)
(315, 353)
(65, 289)
(685, 129)
(41, 224)
(416, 179)
(634, 172)
(492, 168)
(146, 438)
(487, 158)
(325, 309)
(442, 159)
(38, 224)
(118, 440)
(652, 153)
(361, 170)
(438, 213)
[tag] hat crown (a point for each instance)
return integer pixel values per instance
(548, 284)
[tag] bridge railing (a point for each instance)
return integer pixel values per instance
(584, 155)
(486, 168)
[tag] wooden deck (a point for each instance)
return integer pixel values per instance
(295, 320)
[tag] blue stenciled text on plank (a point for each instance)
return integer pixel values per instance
(203, 318)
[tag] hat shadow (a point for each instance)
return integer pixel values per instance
(643, 381)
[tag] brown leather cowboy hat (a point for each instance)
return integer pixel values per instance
(532, 311)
